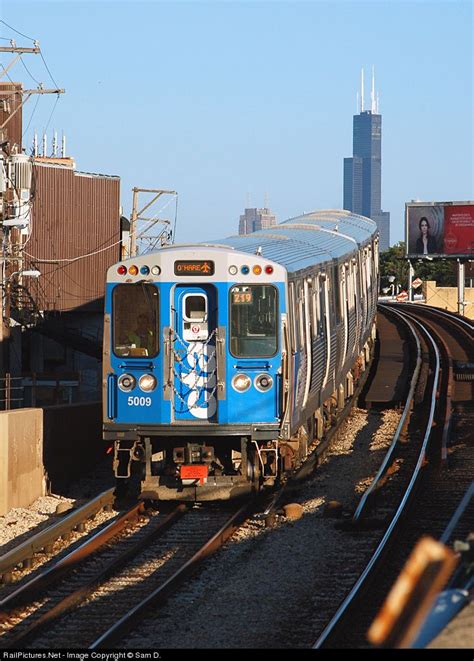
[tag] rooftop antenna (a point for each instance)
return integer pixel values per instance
(45, 144)
(55, 144)
(357, 102)
(362, 89)
(35, 145)
(266, 201)
(63, 147)
(373, 106)
(377, 103)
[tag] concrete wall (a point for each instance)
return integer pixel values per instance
(447, 298)
(21, 458)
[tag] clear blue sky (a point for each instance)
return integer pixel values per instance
(221, 99)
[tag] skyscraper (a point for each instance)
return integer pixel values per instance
(363, 172)
(253, 220)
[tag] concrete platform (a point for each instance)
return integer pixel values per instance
(388, 385)
(21, 458)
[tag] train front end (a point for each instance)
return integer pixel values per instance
(193, 377)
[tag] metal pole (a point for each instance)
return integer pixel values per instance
(133, 224)
(411, 274)
(461, 302)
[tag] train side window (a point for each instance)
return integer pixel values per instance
(292, 302)
(337, 298)
(314, 307)
(321, 306)
(342, 285)
(301, 314)
(135, 320)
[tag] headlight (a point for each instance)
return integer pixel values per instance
(241, 382)
(263, 382)
(147, 382)
(126, 382)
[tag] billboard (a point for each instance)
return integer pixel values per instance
(440, 228)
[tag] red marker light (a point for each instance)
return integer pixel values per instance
(122, 270)
(268, 270)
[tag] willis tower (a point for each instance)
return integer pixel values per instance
(363, 172)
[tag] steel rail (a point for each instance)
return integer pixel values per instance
(400, 510)
(72, 559)
(462, 322)
(160, 594)
(406, 410)
(446, 536)
(27, 549)
(81, 593)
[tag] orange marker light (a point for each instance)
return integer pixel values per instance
(133, 270)
(257, 269)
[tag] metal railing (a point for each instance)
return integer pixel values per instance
(11, 392)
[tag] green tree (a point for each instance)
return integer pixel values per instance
(393, 262)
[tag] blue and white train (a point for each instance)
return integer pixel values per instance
(224, 362)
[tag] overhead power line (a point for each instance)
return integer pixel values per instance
(20, 33)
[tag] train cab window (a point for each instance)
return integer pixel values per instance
(135, 320)
(253, 321)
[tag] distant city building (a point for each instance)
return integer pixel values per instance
(363, 172)
(253, 220)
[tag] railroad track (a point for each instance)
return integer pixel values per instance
(77, 586)
(92, 596)
(21, 557)
(431, 480)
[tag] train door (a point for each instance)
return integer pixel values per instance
(194, 330)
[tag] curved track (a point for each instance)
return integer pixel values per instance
(447, 341)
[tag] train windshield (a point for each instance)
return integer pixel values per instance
(135, 320)
(253, 321)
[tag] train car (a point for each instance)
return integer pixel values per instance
(223, 362)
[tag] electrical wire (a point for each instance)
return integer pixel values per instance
(31, 117)
(47, 68)
(52, 113)
(28, 71)
(20, 33)
(73, 259)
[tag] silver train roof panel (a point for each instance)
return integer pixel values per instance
(314, 237)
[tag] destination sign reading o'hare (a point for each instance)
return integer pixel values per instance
(194, 267)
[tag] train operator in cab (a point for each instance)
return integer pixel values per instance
(142, 337)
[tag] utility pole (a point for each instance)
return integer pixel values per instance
(461, 276)
(137, 215)
(15, 189)
(411, 275)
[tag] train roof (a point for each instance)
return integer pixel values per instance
(302, 241)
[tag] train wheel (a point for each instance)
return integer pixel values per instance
(253, 467)
(121, 488)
